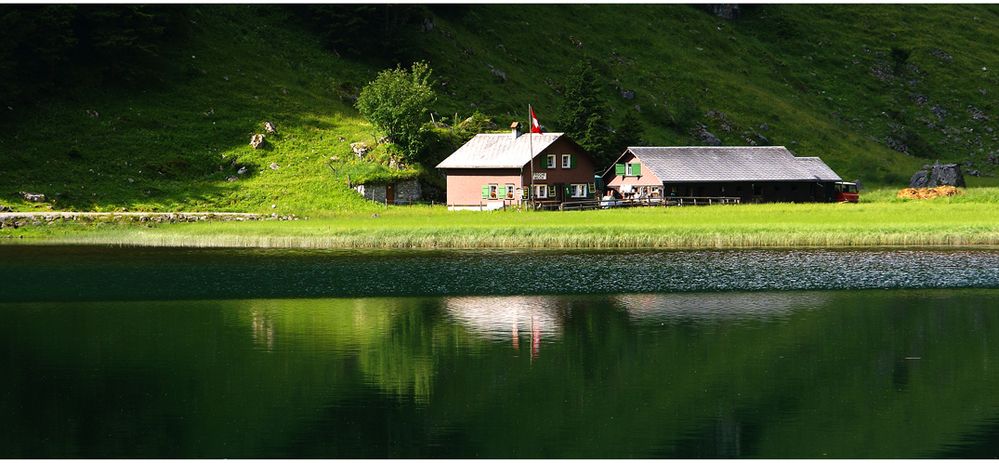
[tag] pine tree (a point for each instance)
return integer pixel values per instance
(630, 132)
(583, 112)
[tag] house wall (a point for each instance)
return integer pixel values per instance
(647, 178)
(464, 186)
(581, 172)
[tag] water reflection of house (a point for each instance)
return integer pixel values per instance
(718, 306)
(508, 318)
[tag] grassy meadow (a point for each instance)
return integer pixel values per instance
(821, 80)
(881, 220)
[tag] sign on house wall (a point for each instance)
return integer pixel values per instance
(541, 176)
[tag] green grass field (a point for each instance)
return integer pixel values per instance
(881, 220)
(799, 75)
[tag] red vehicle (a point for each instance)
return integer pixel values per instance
(846, 192)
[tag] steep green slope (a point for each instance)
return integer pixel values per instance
(842, 82)
(802, 76)
(174, 147)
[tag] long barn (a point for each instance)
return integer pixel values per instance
(751, 173)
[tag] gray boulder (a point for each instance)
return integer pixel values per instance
(708, 137)
(937, 175)
(33, 197)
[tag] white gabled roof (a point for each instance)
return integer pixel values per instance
(498, 151)
(731, 163)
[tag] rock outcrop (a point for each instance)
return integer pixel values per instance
(360, 148)
(33, 197)
(937, 175)
(257, 141)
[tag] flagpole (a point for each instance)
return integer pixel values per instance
(530, 145)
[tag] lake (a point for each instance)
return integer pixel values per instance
(279, 353)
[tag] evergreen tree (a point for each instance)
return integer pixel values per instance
(583, 112)
(630, 132)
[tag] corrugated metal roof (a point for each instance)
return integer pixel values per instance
(498, 150)
(731, 164)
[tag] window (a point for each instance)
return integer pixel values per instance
(493, 190)
(551, 161)
(578, 190)
(566, 161)
(540, 191)
(633, 169)
(509, 191)
(627, 170)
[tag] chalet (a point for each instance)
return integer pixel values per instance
(494, 170)
(751, 173)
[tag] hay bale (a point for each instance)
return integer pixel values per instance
(928, 193)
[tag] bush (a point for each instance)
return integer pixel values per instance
(397, 102)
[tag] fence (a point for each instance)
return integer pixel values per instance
(670, 201)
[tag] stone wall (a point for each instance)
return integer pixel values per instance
(406, 191)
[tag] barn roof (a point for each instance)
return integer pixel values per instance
(731, 164)
(498, 150)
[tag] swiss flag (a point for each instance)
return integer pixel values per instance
(535, 125)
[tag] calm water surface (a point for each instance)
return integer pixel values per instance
(180, 353)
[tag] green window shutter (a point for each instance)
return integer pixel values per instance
(524, 193)
(593, 189)
(636, 169)
(485, 192)
(501, 191)
(551, 191)
(572, 161)
(619, 169)
(568, 191)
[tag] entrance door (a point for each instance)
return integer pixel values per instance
(390, 193)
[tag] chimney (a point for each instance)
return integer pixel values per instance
(515, 129)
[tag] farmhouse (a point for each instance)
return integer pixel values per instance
(493, 170)
(751, 173)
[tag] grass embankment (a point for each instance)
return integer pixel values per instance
(968, 220)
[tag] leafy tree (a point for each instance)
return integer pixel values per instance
(397, 102)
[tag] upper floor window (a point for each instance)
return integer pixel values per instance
(566, 161)
(551, 161)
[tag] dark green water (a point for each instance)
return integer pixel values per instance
(169, 353)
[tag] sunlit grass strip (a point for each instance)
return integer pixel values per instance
(544, 239)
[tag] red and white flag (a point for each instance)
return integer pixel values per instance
(535, 125)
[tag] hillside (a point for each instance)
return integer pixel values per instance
(847, 83)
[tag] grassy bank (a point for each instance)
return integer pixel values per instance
(969, 220)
